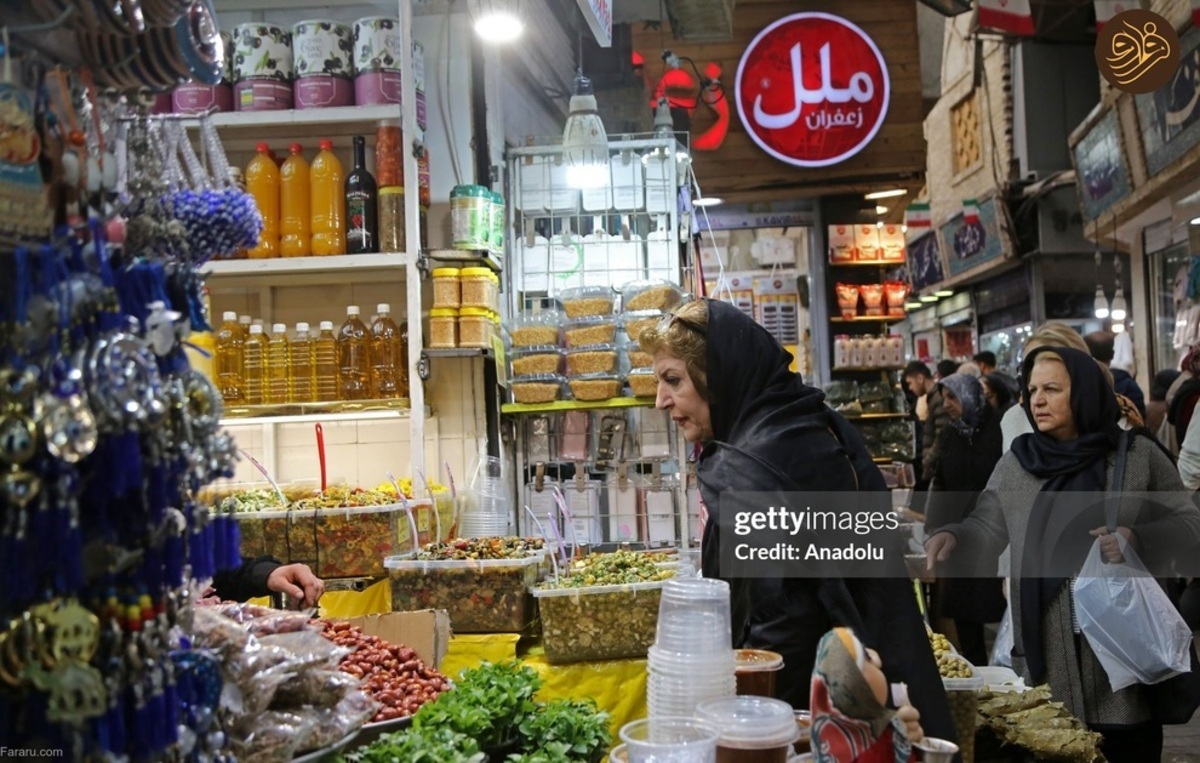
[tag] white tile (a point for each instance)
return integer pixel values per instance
(335, 433)
(373, 463)
(383, 431)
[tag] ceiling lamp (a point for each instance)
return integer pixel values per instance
(880, 209)
(885, 194)
(1118, 328)
(498, 21)
(1118, 312)
(913, 305)
(944, 293)
(928, 298)
(585, 142)
(1196, 221)
(708, 201)
(1100, 305)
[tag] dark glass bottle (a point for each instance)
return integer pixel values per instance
(362, 227)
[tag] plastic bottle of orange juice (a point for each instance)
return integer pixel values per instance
(262, 182)
(327, 184)
(295, 205)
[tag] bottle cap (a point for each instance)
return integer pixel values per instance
(279, 328)
(262, 148)
(383, 307)
(326, 144)
(352, 310)
(295, 148)
(244, 320)
(256, 328)
(301, 328)
(229, 315)
(327, 325)
(257, 322)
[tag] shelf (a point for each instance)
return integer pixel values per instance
(870, 319)
(309, 413)
(308, 271)
(466, 257)
(877, 264)
(460, 352)
(876, 416)
(241, 130)
(577, 405)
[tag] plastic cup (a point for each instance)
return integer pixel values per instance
(693, 632)
(934, 750)
(755, 670)
(670, 740)
(753, 729)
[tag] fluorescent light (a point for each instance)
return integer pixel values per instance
(499, 26)
(708, 201)
(912, 305)
(1196, 221)
(885, 194)
(929, 298)
(880, 209)
(944, 293)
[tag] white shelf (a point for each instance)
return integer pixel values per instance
(241, 130)
(300, 271)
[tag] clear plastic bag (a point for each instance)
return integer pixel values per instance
(1133, 628)
(272, 737)
(320, 688)
(1002, 650)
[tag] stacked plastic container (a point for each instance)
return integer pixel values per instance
(488, 510)
(692, 658)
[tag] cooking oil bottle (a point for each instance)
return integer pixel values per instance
(354, 361)
(385, 354)
(229, 359)
(253, 357)
(325, 364)
(303, 372)
(279, 366)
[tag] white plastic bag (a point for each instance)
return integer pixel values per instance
(1002, 650)
(1131, 625)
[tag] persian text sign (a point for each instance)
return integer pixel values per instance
(599, 19)
(812, 89)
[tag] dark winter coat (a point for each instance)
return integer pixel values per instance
(246, 582)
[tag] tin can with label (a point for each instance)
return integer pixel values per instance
(262, 67)
(323, 51)
(376, 60)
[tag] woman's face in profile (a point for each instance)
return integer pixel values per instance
(679, 396)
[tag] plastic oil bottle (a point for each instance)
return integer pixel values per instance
(385, 355)
(230, 342)
(354, 361)
(262, 182)
(303, 372)
(253, 360)
(295, 213)
(325, 364)
(326, 182)
(279, 366)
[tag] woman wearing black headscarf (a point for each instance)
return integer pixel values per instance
(726, 383)
(968, 450)
(1072, 449)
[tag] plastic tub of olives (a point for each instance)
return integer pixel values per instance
(603, 622)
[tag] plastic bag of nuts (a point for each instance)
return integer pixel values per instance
(594, 330)
(656, 294)
(591, 387)
(534, 329)
(537, 388)
(594, 359)
(539, 359)
(582, 301)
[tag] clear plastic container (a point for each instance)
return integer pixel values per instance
(964, 702)
(607, 622)
(443, 328)
(481, 595)
(477, 288)
(586, 331)
(534, 329)
(539, 359)
(446, 291)
(593, 359)
(584, 301)
(755, 729)
(642, 382)
(538, 388)
(474, 327)
(635, 356)
(638, 321)
(755, 670)
(593, 387)
(670, 740)
(653, 294)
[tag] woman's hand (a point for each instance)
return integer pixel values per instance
(938, 548)
(298, 582)
(911, 719)
(1110, 547)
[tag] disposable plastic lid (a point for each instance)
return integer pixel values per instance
(587, 292)
(476, 273)
(537, 349)
(262, 148)
(469, 191)
(383, 307)
(539, 379)
(446, 272)
(443, 312)
(278, 328)
(302, 327)
(327, 325)
(593, 348)
(475, 312)
(757, 659)
(229, 315)
(750, 723)
(352, 310)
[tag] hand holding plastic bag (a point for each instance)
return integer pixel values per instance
(1130, 623)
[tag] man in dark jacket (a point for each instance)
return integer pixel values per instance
(1100, 344)
(921, 383)
(266, 575)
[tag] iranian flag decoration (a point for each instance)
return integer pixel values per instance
(1106, 9)
(917, 216)
(971, 211)
(1011, 16)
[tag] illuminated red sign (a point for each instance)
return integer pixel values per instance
(812, 89)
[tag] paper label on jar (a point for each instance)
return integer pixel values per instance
(856, 353)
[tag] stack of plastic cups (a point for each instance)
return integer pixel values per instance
(488, 512)
(692, 658)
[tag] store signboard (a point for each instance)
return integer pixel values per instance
(1170, 116)
(812, 89)
(1103, 180)
(970, 243)
(599, 18)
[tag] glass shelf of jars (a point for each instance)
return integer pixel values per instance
(299, 413)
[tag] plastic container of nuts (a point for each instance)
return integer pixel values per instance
(638, 321)
(481, 595)
(606, 622)
(587, 331)
(642, 382)
(582, 301)
(476, 288)
(446, 288)
(636, 356)
(539, 359)
(535, 329)
(474, 327)
(593, 387)
(654, 294)
(538, 388)
(592, 359)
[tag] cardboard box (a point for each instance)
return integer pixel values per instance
(425, 631)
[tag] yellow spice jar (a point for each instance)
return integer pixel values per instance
(443, 328)
(474, 327)
(446, 291)
(476, 288)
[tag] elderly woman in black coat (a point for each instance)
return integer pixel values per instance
(968, 450)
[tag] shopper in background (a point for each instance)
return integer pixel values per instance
(1184, 393)
(266, 575)
(930, 413)
(997, 393)
(726, 383)
(1070, 401)
(1100, 344)
(945, 368)
(986, 361)
(968, 450)
(1156, 409)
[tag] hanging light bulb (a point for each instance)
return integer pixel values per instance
(585, 142)
(498, 21)
(1100, 306)
(1118, 305)
(1118, 328)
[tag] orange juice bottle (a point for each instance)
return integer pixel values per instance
(296, 208)
(326, 181)
(262, 182)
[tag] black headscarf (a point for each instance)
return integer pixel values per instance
(1078, 465)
